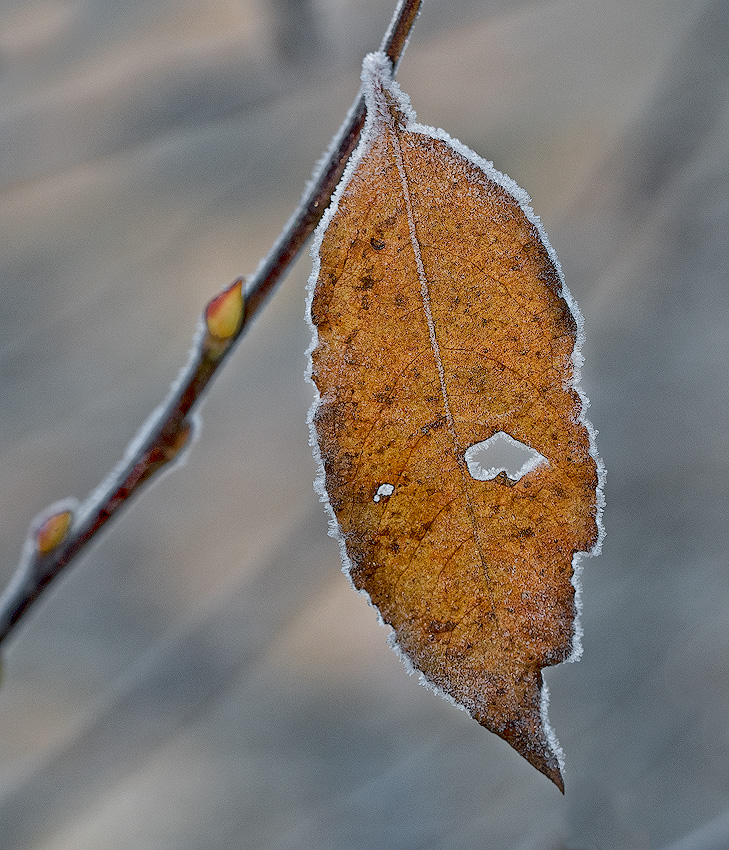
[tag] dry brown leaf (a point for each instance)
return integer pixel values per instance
(442, 321)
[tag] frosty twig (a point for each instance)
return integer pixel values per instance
(59, 535)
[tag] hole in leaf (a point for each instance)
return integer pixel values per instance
(501, 453)
(383, 490)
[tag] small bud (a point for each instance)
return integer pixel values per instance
(224, 314)
(53, 532)
(173, 445)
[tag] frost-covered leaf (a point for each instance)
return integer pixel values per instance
(444, 332)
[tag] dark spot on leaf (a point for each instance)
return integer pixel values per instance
(366, 282)
(438, 628)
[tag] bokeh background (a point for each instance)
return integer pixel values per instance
(205, 677)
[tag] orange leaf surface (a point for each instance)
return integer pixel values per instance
(442, 323)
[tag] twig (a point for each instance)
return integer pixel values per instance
(59, 535)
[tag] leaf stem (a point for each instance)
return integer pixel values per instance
(169, 430)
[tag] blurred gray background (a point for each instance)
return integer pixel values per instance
(205, 677)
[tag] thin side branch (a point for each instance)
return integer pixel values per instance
(60, 534)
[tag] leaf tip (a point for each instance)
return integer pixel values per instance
(52, 531)
(528, 731)
(553, 773)
(224, 314)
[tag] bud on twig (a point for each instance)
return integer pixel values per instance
(224, 314)
(52, 532)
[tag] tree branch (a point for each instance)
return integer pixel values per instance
(59, 535)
